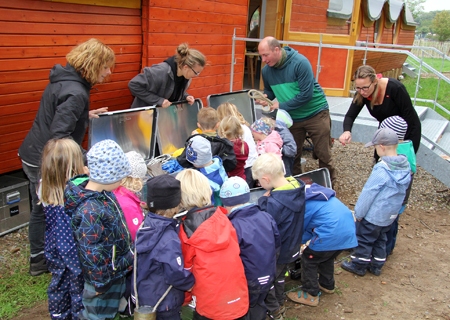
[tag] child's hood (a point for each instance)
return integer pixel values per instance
(151, 232)
(75, 193)
(291, 199)
(396, 166)
(274, 137)
(317, 192)
(214, 233)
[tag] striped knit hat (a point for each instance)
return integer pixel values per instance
(396, 123)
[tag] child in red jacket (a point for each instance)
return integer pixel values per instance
(211, 252)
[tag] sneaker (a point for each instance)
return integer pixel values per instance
(375, 271)
(38, 265)
(304, 298)
(351, 267)
(326, 290)
(279, 314)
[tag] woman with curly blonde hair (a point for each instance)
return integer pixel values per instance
(63, 112)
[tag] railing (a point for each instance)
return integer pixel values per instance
(367, 47)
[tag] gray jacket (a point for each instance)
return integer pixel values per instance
(153, 85)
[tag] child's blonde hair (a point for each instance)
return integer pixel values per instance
(207, 118)
(231, 128)
(168, 213)
(229, 109)
(195, 189)
(132, 184)
(62, 159)
(90, 57)
(268, 164)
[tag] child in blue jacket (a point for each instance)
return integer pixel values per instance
(329, 228)
(378, 204)
(285, 202)
(160, 262)
(258, 239)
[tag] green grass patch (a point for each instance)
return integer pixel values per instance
(437, 64)
(19, 289)
(427, 90)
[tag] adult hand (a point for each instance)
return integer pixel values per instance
(262, 102)
(190, 100)
(346, 137)
(166, 103)
(96, 112)
(275, 105)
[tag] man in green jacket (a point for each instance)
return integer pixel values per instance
(288, 76)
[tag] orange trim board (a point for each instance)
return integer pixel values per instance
(133, 4)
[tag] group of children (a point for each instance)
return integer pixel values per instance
(226, 256)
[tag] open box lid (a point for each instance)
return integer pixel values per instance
(147, 128)
(175, 124)
(320, 176)
(244, 104)
(132, 129)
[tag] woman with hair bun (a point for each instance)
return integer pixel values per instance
(167, 82)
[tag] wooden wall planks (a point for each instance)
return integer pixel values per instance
(36, 35)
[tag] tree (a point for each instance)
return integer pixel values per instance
(441, 25)
(416, 7)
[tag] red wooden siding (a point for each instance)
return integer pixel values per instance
(311, 16)
(36, 35)
(206, 26)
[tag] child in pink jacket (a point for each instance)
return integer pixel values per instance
(267, 139)
(128, 193)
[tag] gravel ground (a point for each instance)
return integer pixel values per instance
(354, 164)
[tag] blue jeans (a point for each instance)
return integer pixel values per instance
(36, 228)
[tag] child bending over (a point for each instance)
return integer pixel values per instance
(211, 251)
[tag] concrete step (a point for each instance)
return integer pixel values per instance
(433, 129)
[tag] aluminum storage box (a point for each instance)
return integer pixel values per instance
(14, 203)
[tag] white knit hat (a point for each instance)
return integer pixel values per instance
(137, 164)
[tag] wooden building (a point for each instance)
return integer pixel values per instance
(36, 34)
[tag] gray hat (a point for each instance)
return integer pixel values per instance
(107, 163)
(385, 137)
(198, 151)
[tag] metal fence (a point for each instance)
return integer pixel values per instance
(367, 47)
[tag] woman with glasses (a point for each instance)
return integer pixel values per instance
(167, 82)
(383, 97)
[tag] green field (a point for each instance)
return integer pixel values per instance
(428, 86)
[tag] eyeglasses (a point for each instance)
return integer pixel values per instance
(364, 88)
(195, 72)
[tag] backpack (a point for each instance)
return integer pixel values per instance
(219, 147)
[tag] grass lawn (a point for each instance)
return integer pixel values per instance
(434, 63)
(20, 290)
(428, 86)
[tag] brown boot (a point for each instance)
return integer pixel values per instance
(304, 298)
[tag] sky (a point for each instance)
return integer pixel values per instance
(434, 5)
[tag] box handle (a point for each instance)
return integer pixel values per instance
(12, 197)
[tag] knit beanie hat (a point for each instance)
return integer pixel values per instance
(198, 151)
(396, 123)
(234, 191)
(163, 192)
(137, 164)
(259, 126)
(107, 163)
(283, 116)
